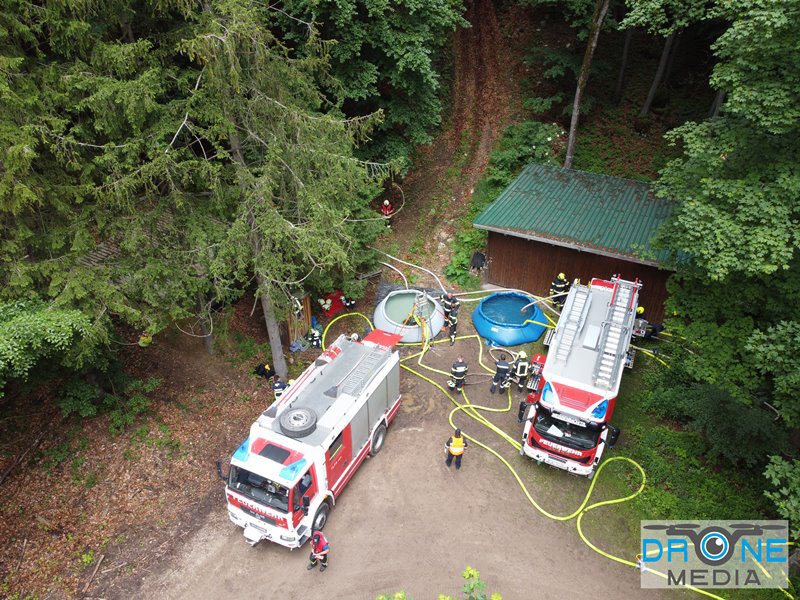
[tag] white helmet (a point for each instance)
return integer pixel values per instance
(386, 203)
(522, 354)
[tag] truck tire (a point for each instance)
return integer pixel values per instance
(298, 422)
(321, 517)
(377, 440)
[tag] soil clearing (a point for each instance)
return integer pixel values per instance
(408, 522)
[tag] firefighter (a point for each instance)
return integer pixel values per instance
(458, 373)
(386, 211)
(319, 551)
(450, 304)
(264, 370)
(452, 322)
(455, 448)
(502, 371)
(278, 387)
(521, 368)
(314, 337)
(560, 285)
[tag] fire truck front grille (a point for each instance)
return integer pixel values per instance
(261, 517)
(584, 460)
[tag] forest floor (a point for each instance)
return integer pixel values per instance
(140, 513)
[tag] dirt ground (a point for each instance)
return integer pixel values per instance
(407, 522)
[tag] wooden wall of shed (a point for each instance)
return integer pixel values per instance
(531, 266)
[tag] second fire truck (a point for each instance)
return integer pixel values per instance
(568, 412)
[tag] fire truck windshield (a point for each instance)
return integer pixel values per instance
(259, 488)
(561, 432)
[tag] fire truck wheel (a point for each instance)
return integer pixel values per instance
(298, 422)
(321, 517)
(377, 440)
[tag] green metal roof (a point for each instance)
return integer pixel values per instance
(595, 213)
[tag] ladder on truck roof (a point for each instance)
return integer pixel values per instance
(572, 323)
(360, 375)
(616, 333)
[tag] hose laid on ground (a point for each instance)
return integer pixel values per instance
(471, 410)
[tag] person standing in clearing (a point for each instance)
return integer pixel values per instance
(455, 448)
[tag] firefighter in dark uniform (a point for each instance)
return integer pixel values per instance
(450, 304)
(455, 448)
(319, 551)
(560, 285)
(314, 337)
(521, 369)
(452, 323)
(502, 370)
(278, 387)
(458, 372)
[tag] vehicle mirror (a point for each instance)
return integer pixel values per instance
(223, 476)
(613, 436)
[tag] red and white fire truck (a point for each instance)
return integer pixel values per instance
(567, 420)
(287, 475)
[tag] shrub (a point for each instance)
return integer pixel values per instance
(79, 397)
(785, 479)
(736, 433)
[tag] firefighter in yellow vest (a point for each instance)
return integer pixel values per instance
(455, 448)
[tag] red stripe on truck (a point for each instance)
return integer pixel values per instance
(352, 469)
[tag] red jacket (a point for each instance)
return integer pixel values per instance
(386, 210)
(321, 546)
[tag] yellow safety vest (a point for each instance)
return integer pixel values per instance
(456, 446)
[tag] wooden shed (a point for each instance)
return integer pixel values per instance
(552, 220)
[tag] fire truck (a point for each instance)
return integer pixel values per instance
(288, 474)
(574, 390)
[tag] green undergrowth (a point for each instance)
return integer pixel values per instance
(682, 482)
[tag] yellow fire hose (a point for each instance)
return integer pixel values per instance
(471, 410)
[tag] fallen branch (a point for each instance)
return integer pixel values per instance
(119, 566)
(21, 556)
(97, 566)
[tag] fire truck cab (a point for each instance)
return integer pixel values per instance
(301, 452)
(567, 421)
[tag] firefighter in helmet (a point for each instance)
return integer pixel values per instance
(450, 305)
(455, 448)
(387, 211)
(502, 371)
(319, 551)
(452, 323)
(278, 387)
(560, 285)
(458, 372)
(521, 368)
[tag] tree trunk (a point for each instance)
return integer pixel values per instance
(205, 326)
(270, 320)
(274, 332)
(671, 59)
(717, 104)
(621, 77)
(600, 10)
(659, 74)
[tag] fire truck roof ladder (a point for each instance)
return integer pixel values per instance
(616, 333)
(359, 376)
(573, 322)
